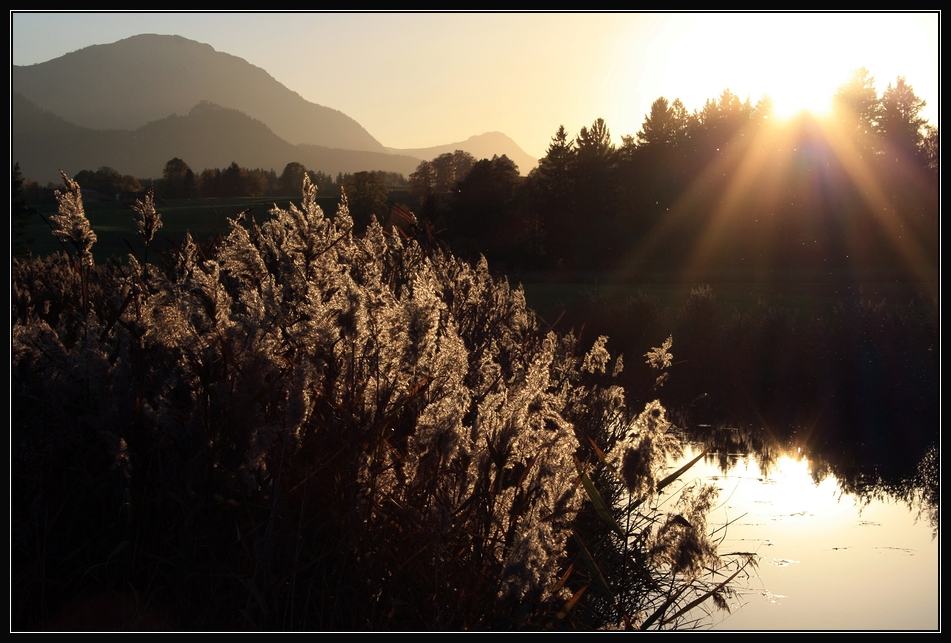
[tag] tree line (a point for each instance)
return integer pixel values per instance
(728, 185)
(179, 181)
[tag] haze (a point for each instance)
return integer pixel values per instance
(418, 80)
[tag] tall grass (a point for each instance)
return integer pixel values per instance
(298, 428)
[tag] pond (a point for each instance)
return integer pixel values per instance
(828, 559)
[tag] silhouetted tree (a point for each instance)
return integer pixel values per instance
(438, 177)
(323, 182)
(660, 126)
(549, 191)
(209, 183)
(422, 182)
(722, 119)
(899, 121)
(594, 145)
(441, 174)
(108, 181)
(763, 110)
(856, 107)
(911, 185)
(929, 155)
(179, 180)
(232, 180)
(651, 168)
(930, 149)
(555, 168)
(595, 194)
(392, 179)
(292, 178)
(481, 219)
(366, 195)
(258, 181)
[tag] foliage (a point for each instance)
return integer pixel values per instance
(481, 207)
(108, 181)
(367, 199)
(665, 125)
(857, 108)
(178, 180)
(900, 123)
(235, 181)
(441, 174)
(433, 180)
(727, 188)
(292, 178)
(300, 428)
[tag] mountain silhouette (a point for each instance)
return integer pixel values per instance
(134, 104)
(208, 136)
(129, 83)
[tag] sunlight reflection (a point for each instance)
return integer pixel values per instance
(818, 545)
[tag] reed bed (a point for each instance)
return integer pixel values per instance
(291, 427)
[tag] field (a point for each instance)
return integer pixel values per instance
(808, 291)
(808, 298)
(114, 223)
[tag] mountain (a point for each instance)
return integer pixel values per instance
(134, 104)
(135, 81)
(43, 143)
(208, 136)
(483, 146)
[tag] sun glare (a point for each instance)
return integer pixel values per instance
(797, 59)
(795, 100)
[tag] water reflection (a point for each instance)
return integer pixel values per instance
(911, 476)
(832, 556)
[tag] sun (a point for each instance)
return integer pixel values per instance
(792, 101)
(799, 60)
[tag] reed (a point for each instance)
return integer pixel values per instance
(295, 428)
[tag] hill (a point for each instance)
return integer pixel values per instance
(481, 146)
(134, 104)
(135, 81)
(208, 136)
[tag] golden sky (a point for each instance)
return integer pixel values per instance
(420, 79)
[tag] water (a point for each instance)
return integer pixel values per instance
(827, 560)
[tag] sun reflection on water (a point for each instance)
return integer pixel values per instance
(827, 560)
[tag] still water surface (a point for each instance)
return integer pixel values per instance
(827, 561)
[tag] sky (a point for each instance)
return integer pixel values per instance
(425, 79)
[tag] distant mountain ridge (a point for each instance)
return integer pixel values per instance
(136, 103)
(208, 136)
(129, 83)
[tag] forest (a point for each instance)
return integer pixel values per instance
(725, 189)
